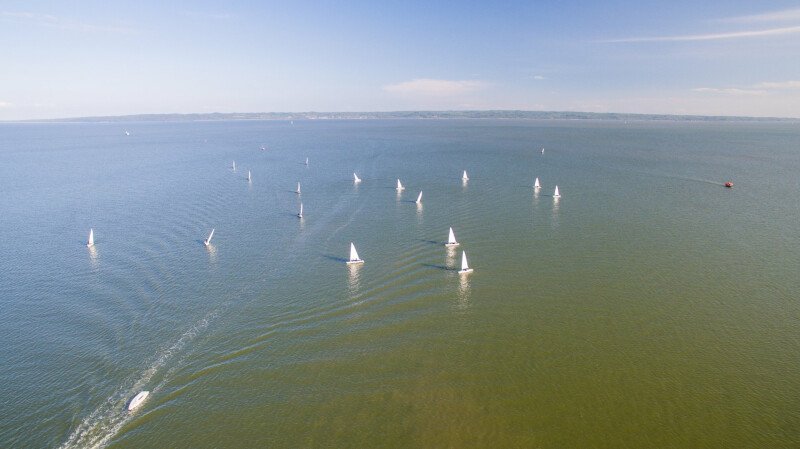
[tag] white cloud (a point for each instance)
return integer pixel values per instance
(756, 89)
(782, 85)
(538, 77)
(772, 16)
(51, 21)
(729, 91)
(5, 104)
(209, 15)
(434, 87)
(708, 37)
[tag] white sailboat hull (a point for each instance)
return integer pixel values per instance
(465, 271)
(351, 262)
(138, 400)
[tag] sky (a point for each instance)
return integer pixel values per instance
(89, 58)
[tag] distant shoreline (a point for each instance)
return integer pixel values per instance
(414, 115)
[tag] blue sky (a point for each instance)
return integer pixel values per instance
(67, 59)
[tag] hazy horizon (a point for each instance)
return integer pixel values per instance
(730, 58)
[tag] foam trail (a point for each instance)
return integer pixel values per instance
(107, 419)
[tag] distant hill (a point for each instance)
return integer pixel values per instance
(499, 114)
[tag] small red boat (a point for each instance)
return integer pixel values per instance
(729, 184)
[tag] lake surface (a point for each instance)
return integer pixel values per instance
(648, 307)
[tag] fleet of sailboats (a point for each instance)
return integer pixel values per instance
(354, 257)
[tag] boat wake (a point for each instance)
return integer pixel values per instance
(101, 425)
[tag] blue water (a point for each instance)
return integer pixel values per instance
(648, 307)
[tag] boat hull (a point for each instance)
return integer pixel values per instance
(137, 400)
(467, 271)
(353, 262)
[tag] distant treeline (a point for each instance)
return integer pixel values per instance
(500, 114)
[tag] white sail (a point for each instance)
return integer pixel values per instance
(536, 184)
(248, 176)
(356, 179)
(542, 150)
(234, 165)
(354, 255)
(300, 214)
(464, 177)
(464, 265)
(298, 188)
(208, 240)
(306, 161)
(399, 185)
(556, 194)
(90, 242)
(451, 238)
(419, 198)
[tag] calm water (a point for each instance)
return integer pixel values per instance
(649, 307)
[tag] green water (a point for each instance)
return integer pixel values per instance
(648, 307)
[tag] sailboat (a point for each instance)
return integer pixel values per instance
(248, 176)
(300, 214)
(208, 240)
(306, 161)
(556, 194)
(419, 198)
(400, 187)
(127, 133)
(90, 242)
(451, 239)
(536, 184)
(356, 179)
(298, 189)
(464, 265)
(542, 150)
(464, 177)
(354, 255)
(234, 165)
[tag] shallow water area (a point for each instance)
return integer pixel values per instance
(648, 306)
